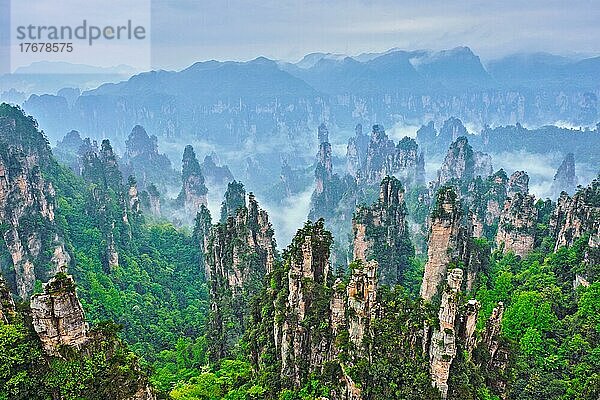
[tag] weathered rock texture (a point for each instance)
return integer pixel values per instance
(111, 200)
(193, 192)
(446, 241)
(324, 170)
(516, 230)
(143, 160)
(498, 351)
(469, 324)
(27, 206)
(356, 152)
(576, 216)
(442, 350)
(383, 158)
(329, 187)
(565, 179)
(134, 198)
(381, 233)
(239, 252)
(303, 320)
(518, 183)
(362, 301)
(463, 163)
(58, 316)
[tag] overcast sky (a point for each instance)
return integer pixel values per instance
(185, 31)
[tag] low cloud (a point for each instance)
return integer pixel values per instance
(289, 216)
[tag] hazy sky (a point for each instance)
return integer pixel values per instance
(184, 31)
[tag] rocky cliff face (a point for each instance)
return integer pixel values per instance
(484, 198)
(362, 301)
(27, 205)
(384, 158)
(451, 244)
(215, 173)
(100, 166)
(68, 149)
(324, 170)
(134, 198)
(381, 233)
(463, 163)
(239, 252)
(111, 200)
(143, 160)
(150, 200)
(329, 187)
(518, 183)
(469, 324)
(379, 156)
(443, 345)
(303, 319)
(565, 179)
(59, 321)
(446, 241)
(576, 216)
(193, 192)
(516, 229)
(497, 350)
(356, 152)
(235, 198)
(58, 316)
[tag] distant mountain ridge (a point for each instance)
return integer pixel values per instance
(235, 102)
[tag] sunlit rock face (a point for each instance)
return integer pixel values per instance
(58, 317)
(446, 241)
(362, 301)
(443, 348)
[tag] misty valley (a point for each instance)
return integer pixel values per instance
(395, 225)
